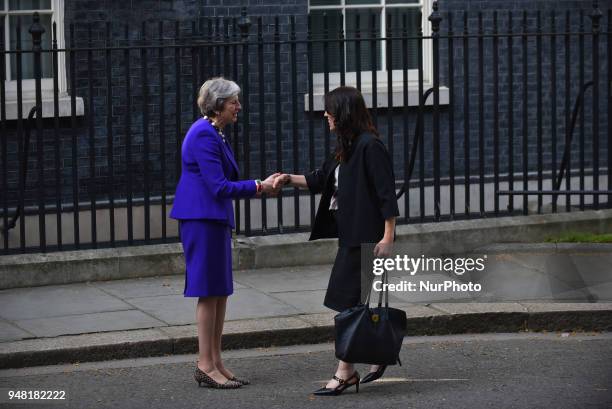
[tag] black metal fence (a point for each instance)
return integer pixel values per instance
(481, 113)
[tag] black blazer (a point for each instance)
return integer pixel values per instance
(366, 194)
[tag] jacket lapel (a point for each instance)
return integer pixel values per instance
(227, 150)
(230, 155)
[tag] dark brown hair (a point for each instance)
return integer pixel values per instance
(351, 118)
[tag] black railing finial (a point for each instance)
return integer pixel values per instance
(435, 19)
(37, 30)
(596, 16)
(244, 23)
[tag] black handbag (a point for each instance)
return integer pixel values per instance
(370, 335)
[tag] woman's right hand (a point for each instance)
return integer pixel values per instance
(268, 185)
(281, 180)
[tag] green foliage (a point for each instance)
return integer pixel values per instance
(575, 237)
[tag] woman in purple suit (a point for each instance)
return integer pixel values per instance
(203, 205)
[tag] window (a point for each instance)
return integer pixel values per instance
(50, 11)
(368, 17)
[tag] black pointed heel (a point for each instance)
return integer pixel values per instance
(372, 376)
(344, 384)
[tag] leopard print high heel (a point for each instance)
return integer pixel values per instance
(240, 381)
(202, 378)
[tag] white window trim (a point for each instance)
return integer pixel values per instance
(28, 86)
(397, 85)
(382, 92)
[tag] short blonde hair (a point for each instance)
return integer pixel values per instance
(213, 94)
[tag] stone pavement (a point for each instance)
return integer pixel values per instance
(155, 302)
(276, 306)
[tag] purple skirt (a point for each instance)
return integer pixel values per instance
(208, 258)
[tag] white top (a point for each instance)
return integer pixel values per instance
(333, 203)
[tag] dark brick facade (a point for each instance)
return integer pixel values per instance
(196, 64)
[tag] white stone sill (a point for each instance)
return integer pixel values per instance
(48, 111)
(382, 96)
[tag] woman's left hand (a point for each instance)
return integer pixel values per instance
(281, 180)
(384, 248)
(268, 184)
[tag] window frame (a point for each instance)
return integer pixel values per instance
(28, 85)
(381, 75)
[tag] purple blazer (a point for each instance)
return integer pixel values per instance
(209, 177)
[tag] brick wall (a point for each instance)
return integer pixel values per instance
(145, 119)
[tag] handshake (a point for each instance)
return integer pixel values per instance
(274, 183)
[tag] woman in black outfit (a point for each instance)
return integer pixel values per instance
(358, 205)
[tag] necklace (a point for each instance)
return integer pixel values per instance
(214, 125)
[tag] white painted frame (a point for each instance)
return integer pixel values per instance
(381, 75)
(28, 86)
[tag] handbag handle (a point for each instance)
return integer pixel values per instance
(385, 291)
(385, 280)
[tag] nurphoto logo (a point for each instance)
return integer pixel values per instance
(411, 266)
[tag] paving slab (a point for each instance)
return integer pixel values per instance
(602, 292)
(574, 295)
(394, 300)
(508, 281)
(593, 269)
(519, 259)
(54, 301)
(88, 323)
(454, 308)
(419, 310)
(286, 279)
(142, 287)
(9, 332)
(251, 303)
(238, 286)
(569, 273)
(324, 319)
(309, 302)
(174, 309)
